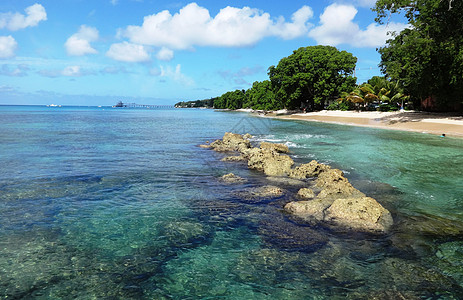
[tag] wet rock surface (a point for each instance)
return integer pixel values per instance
(337, 202)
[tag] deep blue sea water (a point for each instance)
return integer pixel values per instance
(105, 203)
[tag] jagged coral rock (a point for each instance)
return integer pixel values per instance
(312, 169)
(280, 148)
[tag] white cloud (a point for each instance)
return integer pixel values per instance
(337, 27)
(8, 46)
(128, 52)
(165, 54)
(69, 71)
(79, 43)
(231, 27)
(174, 74)
(15, 21)
(72, 71)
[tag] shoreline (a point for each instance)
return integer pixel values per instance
(432, 123)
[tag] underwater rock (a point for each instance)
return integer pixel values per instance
(184, 232)
(312, 210)
(306, 193)
(280, 148)
(232, 178)
(312, 169)
(205, 146)
(286, 181)
(234, 158)
(363, 214)
(283, 234)
(259, 194)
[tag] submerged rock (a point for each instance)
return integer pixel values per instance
(234, 158)
(312, 169)
(312, 210)
(232, 178)
(261, 194)
(280, 148)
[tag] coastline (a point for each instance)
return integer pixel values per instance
(432, 123)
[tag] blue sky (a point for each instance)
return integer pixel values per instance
(96, 52)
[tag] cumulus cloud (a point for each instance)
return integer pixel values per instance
(165, 54)
(128, 52)
(79, 43)
(172, 73)
(16, 21)
(8, 46)
(337, 27)
(231, 27)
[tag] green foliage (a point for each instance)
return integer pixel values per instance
(261, 97)
(340, 105)
(427, 57)
(231, 100)
(312, 75)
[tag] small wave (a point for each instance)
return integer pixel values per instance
(294, 145)
(306, 136)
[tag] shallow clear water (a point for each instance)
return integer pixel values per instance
(121, 203)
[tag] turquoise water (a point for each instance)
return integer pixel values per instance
(102, 203)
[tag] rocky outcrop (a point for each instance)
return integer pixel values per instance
(364, 214)
(269, 161)
(361, 214)
(335, 185)
(231, 142)
(280, 148)
(306, 193)
(312, 169)
(337, 204)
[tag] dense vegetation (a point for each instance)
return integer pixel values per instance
(196, 103)
(427, 58)
(423, 67)
(305, 79)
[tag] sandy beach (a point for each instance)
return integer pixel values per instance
(433, 123)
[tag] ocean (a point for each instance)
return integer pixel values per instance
(117, 203)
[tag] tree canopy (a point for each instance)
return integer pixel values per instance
(312, 75)
(426, 58)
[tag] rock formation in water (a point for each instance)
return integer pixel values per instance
(338, 204)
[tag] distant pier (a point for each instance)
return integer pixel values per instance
(136, 105)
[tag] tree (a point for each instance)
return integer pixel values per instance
(230, 100)
(261, 96)
(426, 58)
(312, 75)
